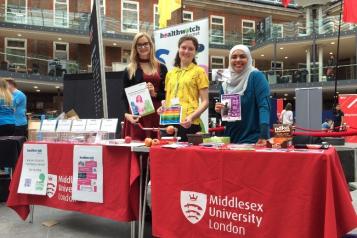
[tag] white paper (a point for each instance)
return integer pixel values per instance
(79, 125)
(34, 173)
(49, 125)
(93, 125)
(64, 125)
(87, 173)
(109, 125)
(139, 99)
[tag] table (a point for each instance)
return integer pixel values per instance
(201, 192)
(120, 185)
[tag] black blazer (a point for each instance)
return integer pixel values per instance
(138, 78)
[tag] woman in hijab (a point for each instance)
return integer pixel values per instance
(243, 79)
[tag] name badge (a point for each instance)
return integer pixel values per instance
(175, 101)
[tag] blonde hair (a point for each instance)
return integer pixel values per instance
(134, 55)
(5, 93)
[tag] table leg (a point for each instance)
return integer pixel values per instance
(144, 200)
(132, 229)
(32, 209)
(140, 192)
(355, 163)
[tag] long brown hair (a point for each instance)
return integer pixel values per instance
(5, 93)
(134, 55)
(182, 39)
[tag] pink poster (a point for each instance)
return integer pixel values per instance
(348, 104)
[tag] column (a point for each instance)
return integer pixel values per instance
(308, 21)
(321, 63)
(320, 20)
(308, 65)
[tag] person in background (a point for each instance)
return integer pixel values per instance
(327, 125)
(143, 67)
(338, 118)
(185, 85)
(331, 63)
(286, 116)
(243, 79)
(20, 104)
(7, 117)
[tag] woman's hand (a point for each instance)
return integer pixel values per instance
(261, 142)
(151, 88)
(132, 118)
(218, 107)
(187, 122)
(161, 109)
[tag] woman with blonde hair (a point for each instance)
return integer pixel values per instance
(7, 116)
(143, 67)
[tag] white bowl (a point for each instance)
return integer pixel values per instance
(313, 146)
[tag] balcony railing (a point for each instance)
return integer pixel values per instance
(303, 75)
(38, 67)
(79, 21)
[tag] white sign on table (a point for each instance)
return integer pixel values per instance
(79, 125)
(34, 173)
(64, 125)
(49, 125)
(87, 173)
(109, 125)
(93, 125)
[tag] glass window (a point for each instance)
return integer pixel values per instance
(125, 57)
(277, 31)
(187, 16)
(15, 51)
(156, 17)
(61, 13)
(217, 30)
(60, 50)
(217, 62)
(248, 32)
(16, 11)
(130, 16)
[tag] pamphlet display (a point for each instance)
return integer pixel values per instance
(139, 99)
(170, 115)
(231, 110)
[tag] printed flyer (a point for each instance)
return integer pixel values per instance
(87, 173)
(170, 115)
(231, 110)
(34, 173)
(139, 99)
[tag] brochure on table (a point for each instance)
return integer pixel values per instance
(48, 125)
(231, 110)
(64, 125)
(93, 125)
(34, 173)
(87, 173)
(139, 99)
(79, 125)
(109, 125)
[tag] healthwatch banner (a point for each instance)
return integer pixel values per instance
(166, 41)
(166, 44)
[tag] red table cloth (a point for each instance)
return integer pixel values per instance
(120, 185)
(200, 192)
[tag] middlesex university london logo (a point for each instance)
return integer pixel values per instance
(193, 205)
(51, 185)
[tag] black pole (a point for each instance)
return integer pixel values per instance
(337, 54)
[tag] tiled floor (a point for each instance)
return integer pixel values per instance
(71, 224)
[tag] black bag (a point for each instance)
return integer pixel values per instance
(303, 140)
